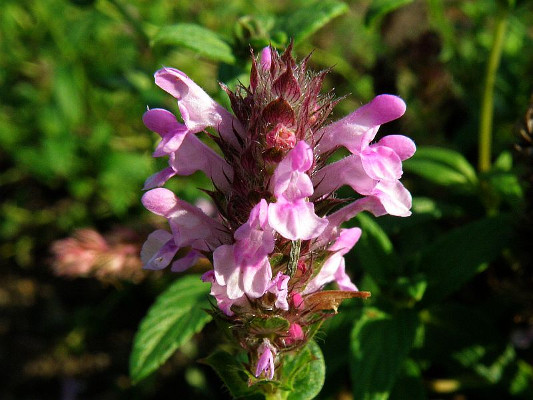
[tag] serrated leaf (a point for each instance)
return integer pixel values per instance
(380, 343)
(305, 372)
(306, 20)
(457, 256)
(196, 38)
(379, 8)
(442, 166)
(178, 313)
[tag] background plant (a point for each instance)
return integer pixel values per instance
(451, 304)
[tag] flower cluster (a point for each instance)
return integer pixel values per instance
(108, 258)
(276, 240)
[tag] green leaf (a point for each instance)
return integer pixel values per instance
(507, 187)
(521, 381)
(305, 372)
(196, 38)
(457, 256)
(380, 344)
(306, 20)
(442, 166)
(379, 8)
(374, 250)
(232, 372)
(178, 313)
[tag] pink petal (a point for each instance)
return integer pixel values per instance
(342, 279)
(226, 272)
(158, 250)
(170, 142)
(394, 197)
(325, 275)
(159, 178)
(186, 262)
(402, 145)
(256, 279)
(255, 239)
(296, 220)
(160, 201)
(381, 162)
(296, 333)
(279, 287)
(258, 219)
(251, 250)
(301, 157)
(161, 121)
(346, 240)
(290, 179)
(266, 57)
(265, 363)
(332, 270)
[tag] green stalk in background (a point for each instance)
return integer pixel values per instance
(487, 105)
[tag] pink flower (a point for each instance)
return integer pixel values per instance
(244, 267)
(89, 254)
(296, 334)
(254, 239)
(279, 288)
(265, 364)
(293, 216)
(297, 301)
(252, 280)
(220, 293)
(197, 109)
(190, 226)
(357, 130)
(392, 195)
(274, 235)
(334, 267)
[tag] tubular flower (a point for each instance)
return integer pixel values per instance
(265, 364)
(275, 239)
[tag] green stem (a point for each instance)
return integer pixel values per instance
(487, 105)
(294, 256)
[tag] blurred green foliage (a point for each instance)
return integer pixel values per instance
(451, 285)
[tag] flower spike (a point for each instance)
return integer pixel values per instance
(274, 233)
